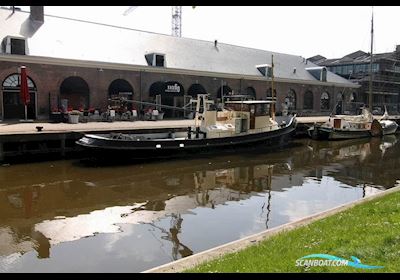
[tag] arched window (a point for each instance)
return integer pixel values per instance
(13, 81)
(290, 100)
(325, 101)
(251, 92)
(308, 100)
(13, 107)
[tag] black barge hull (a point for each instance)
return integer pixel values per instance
(160, 148)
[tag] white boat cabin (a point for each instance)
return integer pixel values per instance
(359, 122)
(237, 117)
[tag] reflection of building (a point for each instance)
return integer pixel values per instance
(40, 210)
(107, 61)
(356, 68)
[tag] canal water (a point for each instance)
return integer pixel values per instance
(67, 216)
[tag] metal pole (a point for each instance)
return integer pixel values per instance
(26, 113)
(222, 92)
(370, 64)
(272, 87)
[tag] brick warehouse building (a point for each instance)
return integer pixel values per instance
(81, 64)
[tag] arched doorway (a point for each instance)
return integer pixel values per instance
(325, 101)
(74, 94)
(251, 92)
(308, 100)
(169, 93)
(196, 89)
(13, 108)
(121, 89)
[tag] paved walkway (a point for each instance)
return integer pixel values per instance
(7, 128)
(28, 128)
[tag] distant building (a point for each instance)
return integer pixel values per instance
(385, 73)
(77, 64)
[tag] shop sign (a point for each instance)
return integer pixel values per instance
(173, 88)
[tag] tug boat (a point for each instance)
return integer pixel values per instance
(239, 123)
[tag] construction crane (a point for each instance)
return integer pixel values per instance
(176, 19)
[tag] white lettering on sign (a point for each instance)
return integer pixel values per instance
(173, 88)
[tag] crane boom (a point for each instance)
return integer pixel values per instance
(129, 10)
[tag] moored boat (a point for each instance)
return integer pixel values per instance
(345, 127)
(240, 123)
(388, 126)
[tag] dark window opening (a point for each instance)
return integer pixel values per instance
(308, 100)
(17, 46)
(159, 60)
(323, 75)
(265, 70)
(154, 59)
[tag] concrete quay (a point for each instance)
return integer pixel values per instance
(23, 138)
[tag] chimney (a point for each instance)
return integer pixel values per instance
(215, 43)
(398, 48)
(37, 13)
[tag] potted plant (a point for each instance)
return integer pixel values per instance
(73, 116)
(160, 115)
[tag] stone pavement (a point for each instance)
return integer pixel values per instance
(29, 128)
(7, 128)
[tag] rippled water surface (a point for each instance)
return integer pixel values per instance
(66, 216)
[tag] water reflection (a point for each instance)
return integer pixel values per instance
(44, 205)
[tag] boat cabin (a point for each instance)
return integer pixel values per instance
(257, 112)
(237, 117)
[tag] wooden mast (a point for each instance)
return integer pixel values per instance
(370, 64)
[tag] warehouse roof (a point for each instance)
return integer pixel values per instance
(64, 38)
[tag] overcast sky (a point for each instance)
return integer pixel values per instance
(329, 31)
